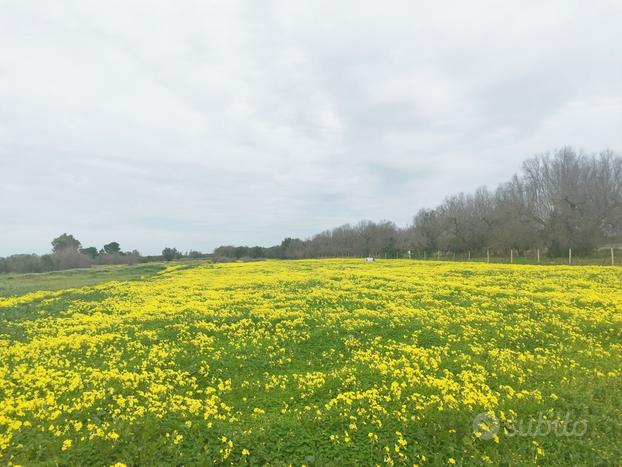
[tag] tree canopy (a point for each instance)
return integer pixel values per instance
(65, 242)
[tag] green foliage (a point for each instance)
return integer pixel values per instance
(65, 242)
(91, 252)
(112, 248)
(170, 254)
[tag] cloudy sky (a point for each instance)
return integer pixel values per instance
(198, 123)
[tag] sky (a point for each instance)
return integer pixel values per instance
(194, 124)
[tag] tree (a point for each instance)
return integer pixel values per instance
(90, 251)
(170, 254)
(290, 248)
(112, 248)
(224, 251)
(426, 230)
(558, 201)
(65, 242)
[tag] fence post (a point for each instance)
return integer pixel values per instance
(569, 255)
(469, 255)
(511, 256)
(538, 255)
(438, 255)
(488, 255)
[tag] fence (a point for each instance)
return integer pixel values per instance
(601, 257)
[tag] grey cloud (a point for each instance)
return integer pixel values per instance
(192, 125)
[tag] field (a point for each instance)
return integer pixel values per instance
(315, 362)
(18, 284)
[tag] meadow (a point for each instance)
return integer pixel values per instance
(313, 362)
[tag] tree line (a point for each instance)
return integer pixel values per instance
(68, 253)
(560, 200)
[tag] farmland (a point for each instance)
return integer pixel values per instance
(315, 362)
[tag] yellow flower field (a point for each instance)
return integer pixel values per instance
(317, 362)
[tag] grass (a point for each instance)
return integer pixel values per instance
(316, 362)
(17, 284)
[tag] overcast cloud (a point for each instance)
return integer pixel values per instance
(197, 123)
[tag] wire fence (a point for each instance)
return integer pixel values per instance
(602, 257)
